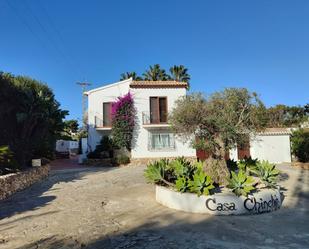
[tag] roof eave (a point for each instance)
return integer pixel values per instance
(107, 86)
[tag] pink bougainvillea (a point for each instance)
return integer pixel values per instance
(123, 120)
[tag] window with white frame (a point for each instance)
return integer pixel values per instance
(161, 141)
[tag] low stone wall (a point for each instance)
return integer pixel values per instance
(11, 183)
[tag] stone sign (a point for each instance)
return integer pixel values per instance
(36, 162)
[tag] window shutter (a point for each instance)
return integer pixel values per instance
(154, 110)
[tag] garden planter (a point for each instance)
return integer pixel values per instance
(265, 200)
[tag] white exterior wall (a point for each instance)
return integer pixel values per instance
(73, 145)
(234, 154)
(62, 145)
(274, 148)
(142, 104)
(84, 146)
(95, 108)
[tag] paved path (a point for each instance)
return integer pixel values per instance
(115, 208)
(66, 163)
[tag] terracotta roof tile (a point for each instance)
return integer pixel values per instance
(276, 131)
(158, 84)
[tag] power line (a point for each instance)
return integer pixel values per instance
(24, 21)
(57, 32)
(51, 39)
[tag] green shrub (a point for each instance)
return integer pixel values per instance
(267, 173)
(31, 118)
(247, 164)
(122, 159)
(182, 184)
(155, 172)
(181, 174)
(103, 150)
(300, 145)
(201, 184)
(7, 161)
(180, 167)
(241, 183)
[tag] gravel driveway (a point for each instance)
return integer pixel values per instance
(115, 208)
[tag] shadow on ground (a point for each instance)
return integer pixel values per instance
(41, 193)
(285, 228)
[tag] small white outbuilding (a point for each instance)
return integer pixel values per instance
(272, 145)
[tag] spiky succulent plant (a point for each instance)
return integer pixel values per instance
(241, 183)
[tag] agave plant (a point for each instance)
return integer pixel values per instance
(267, 173)
(247, 164)
(181, 167)
(232, 164)
(181, 184)
(201, 184)
(241, 183)
(155, 172)
(242, 166)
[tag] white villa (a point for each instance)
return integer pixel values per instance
(153, 100)
(153, 137)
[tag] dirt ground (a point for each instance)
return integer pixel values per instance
(115, 208)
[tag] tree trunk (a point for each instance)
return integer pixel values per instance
(215, 166)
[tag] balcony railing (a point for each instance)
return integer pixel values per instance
(99, 123)
(152, 120)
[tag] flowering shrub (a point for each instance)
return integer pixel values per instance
(123, 121)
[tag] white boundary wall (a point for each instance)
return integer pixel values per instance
(274, 148)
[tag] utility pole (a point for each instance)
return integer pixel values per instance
(83, 86)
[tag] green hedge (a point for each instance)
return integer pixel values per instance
(300, 145)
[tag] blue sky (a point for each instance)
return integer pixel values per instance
(262, 45)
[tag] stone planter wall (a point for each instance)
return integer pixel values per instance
(266, 200)
(11, 183)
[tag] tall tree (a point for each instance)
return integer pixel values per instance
(179, 73)
(217, 123)
(155, 73)
(306, 107)
(31, 118)
(287, 116)
(70, 129)
(128, 75)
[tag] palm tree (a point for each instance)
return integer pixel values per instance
(129, 75)
(155, 73)
(179, 73)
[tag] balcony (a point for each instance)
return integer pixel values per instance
(154, 121)
(101, 124)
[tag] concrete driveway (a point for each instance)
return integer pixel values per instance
(115, 208)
